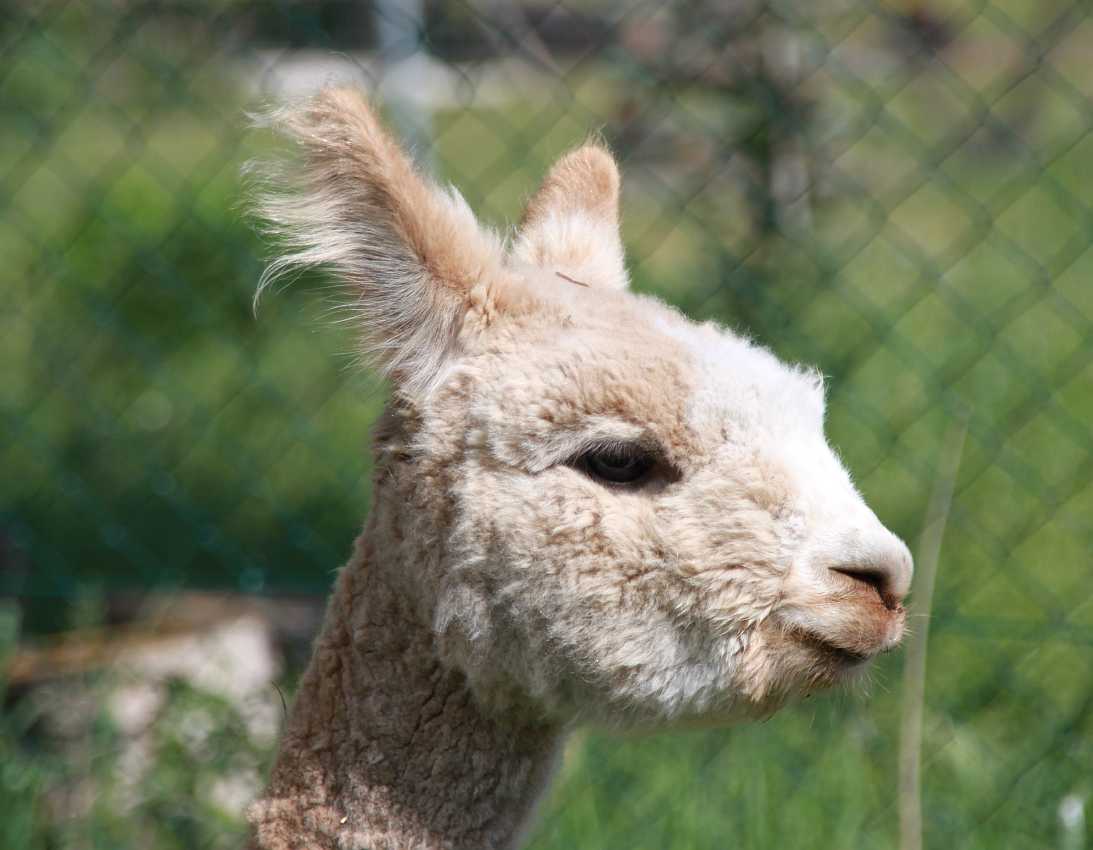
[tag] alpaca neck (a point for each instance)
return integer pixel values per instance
(386, 749)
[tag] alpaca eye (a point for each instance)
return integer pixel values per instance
(618, 464)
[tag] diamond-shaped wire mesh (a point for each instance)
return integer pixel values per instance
(898, 192)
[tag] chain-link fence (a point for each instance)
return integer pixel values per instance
(898, 192)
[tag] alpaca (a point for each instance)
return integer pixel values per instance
(587, 508)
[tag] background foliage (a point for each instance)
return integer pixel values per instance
(898, 192)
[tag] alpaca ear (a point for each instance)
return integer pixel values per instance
(409, 253)
(571, 225)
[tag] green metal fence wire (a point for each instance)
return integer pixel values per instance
(898, 192)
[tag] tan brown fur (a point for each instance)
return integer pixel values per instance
(385, 748)
(345, 144)
(584, 180)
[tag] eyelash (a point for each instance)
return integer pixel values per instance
(618, 464)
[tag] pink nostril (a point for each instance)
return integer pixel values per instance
(877, 560)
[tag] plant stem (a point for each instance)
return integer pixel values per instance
(914, 671)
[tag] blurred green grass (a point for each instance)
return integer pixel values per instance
(157, 434)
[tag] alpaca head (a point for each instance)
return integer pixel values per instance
(628, 516)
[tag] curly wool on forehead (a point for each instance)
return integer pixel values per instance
(726, 376)
(737, 380)
(584, 361)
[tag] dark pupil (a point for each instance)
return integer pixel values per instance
(618, 467)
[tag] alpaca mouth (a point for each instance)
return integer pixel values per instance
(847, 634)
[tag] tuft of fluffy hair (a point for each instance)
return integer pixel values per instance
(408, 253)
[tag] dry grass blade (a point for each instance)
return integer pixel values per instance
(914, 671)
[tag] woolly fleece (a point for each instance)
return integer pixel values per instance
(501, 594)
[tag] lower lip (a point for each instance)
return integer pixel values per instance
(843, 656)
(847, 657)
